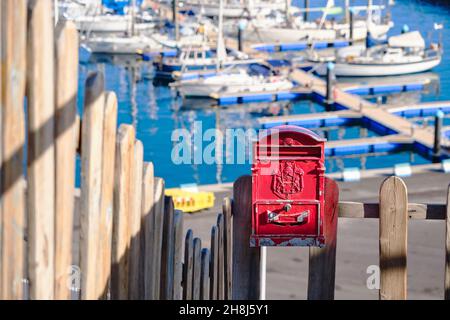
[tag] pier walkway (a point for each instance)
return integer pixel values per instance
(378, 118)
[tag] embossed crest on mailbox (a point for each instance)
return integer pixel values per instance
(288, 188)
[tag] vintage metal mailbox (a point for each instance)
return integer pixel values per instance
(288, 188)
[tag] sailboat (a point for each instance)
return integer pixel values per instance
(403, 54)
(234, 8)
(132, 42)
(293, 27)
(97, 18)
(255, 78)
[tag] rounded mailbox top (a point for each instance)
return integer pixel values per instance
(295, 130)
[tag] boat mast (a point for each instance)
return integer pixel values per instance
(288, 12)
(56, 11)
(133, 18)
(347, 11)
(221, 53)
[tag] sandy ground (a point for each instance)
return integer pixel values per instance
(287, 268)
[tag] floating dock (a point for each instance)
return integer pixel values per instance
(261, 96)
(299, 46)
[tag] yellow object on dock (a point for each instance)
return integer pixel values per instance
(189, 201)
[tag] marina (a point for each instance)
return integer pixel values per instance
(162, 150)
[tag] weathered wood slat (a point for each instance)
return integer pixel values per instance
(204, 276)
(66, 86)
(178, 258)
(41, 149)
(447, 249)
(148, 201)
(393, 239)
(188, 265)
(122, 208)
(13, 55)
(221, 261)
(197, 266)
(158, 221)
(322, 261)
(228, 248)
(135, 220)
(371, 210)
(168, 251)
(91, 177)
(246, 260)
(104, 245)
(214, 265)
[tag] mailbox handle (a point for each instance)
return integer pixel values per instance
(288, 219)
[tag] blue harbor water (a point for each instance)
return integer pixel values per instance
(155, 111)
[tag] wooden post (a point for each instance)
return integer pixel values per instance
(148, 194)
(246, 260)
(154, 275)
(214, 266)
(227, 248)
(178, 259)
(66, 85)
(221, 262)
(168, 251)
(41, 149)
(12, 200)
(107, 201)
(447, 248)
(322, 261)
(197, 263)
(438, 122)
(122, 209)
(204, 276)
(91, 177)
(393, 239)
(188, 265)
(135, 220)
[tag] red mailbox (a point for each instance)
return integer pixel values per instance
(288, 188)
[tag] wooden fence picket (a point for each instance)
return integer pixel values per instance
(66, 86)
(393, 239)
(204, 275)
(168, 251)
(178, 257)
(188, 265)
(322, 261)
(246, 260)
(104, 246)
(158, 223)
(227, 247)
(135, 220)
(41, 149)
(122, 207)
(148, 202)
(214, 265)
(13, 39)
(197, 266)
(221, 257)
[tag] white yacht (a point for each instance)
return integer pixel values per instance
(403, 54)
(232, 82)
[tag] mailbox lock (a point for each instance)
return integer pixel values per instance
(272, 216)
(288, 207)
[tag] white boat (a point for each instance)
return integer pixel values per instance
(121, 45)
(235, 8)
(404, 54)
(109, 23)
(289, 26)
(232, 83)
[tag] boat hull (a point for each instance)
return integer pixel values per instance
(200, 90)
(380, 70)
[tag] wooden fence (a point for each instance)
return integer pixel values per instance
(393, 212)
(131, 243)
